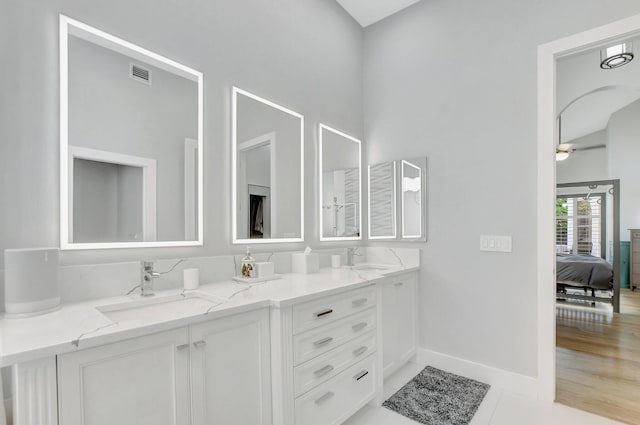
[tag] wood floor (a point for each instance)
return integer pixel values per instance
(598, 358)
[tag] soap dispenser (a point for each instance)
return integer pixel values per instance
(248, 265)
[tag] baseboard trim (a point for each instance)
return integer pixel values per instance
(510, 381)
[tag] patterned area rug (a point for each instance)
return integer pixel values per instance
(436, 397)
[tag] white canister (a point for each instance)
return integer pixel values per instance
(335, 261)
(191, 278)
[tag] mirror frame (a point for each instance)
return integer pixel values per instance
(69, 26)
(235, 91)
(395, 203)
(321, 129)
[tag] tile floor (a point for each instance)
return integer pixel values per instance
(499, 407)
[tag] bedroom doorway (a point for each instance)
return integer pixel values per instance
(595, 364)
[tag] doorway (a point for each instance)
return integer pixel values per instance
(548, 138)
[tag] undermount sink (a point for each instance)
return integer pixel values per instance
(159, 308)
(371, 267)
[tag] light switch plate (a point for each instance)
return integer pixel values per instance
(495, 243)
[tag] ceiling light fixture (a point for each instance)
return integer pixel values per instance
(616, 56)
(562, 152)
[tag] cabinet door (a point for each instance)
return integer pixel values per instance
(389, 319)
(231, 375)
(141, 381)
(406, 319)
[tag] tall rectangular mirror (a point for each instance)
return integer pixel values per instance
(267, 171)
(398, 189)
(130, 144)
(340, 185)
(382, 200)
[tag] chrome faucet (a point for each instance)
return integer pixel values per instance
(351, 253)
(147, 274)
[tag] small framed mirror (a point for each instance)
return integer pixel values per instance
(413, 198)
(382, 200)
(267, 171)
(397, 200)
(340, 185)
(130, 144)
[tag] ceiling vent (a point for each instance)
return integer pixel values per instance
(139, 73)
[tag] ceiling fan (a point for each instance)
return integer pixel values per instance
(565, 149)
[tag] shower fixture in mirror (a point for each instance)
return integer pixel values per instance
(267, 171)
(382, 200)
(398, 186)
(340, 185)
(130, 144)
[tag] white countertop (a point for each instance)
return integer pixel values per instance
(80, 325)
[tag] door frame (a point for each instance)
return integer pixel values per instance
(546, 182)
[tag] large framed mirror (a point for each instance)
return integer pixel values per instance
(382, 200)
(340, 185)
(131, 141)
(267, 171)
(397, 200)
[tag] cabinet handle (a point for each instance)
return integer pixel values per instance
(200, 343)
(398, 284)
(325, 397)
(182, 347)
(323, 313)
(359, 302)
(359, 326)
(323, 341)
(321, 372)
(360, 350)
(361, 375)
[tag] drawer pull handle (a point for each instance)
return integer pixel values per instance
(361, 375)
(321, 372)
(398, 284)
(323, 341)
(182, 347)
(325, 397)
(360, 350)
(323, 313)
(200, 343)
(359, 326)
(359, 302)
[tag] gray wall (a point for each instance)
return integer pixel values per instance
(455, 80)
(302, 53)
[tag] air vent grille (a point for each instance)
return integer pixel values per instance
(140, 73)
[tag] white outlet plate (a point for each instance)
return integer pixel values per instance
(495, 243)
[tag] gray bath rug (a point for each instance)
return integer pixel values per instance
(436, 397)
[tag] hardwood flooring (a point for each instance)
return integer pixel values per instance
(598, 358)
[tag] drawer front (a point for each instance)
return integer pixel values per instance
(331, 403)
(318, 341)
(324, 367)
(328, 309)
(635, 235)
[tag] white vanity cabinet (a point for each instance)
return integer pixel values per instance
(399, 321)
(141, 381)
(216, 372)
(325, 358)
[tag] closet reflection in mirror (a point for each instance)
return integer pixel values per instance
(268, 172)
(413, 198)
(131, 143)
(382, 200)
(340, 185)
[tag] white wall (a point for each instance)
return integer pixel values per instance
(624, 164)
(455, 80)
(582, 166)
(307, 54)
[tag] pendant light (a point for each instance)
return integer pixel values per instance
(616, 56)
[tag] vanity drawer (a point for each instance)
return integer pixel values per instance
(314, 372)
(332, 402)
(311, 344)
(328, 309)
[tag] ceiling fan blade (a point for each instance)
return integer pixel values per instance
(588, 148)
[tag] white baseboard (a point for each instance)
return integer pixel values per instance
(500, 378)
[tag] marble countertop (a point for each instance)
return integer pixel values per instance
(81, 325)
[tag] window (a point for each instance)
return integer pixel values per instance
(580, 225)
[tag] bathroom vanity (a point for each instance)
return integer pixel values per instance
(304, 350)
